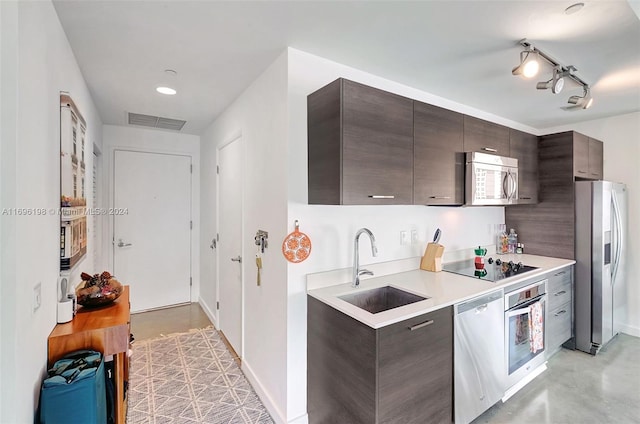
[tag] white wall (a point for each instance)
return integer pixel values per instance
(158, 141)
(37, 63)
(621, 137)
(208, 224)
(331, 228)
(8, 128)
(259, 115)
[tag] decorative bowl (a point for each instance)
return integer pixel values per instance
(98, 290)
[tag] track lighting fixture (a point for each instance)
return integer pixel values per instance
(530, 64)
(585, 101)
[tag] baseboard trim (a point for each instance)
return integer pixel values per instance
(208, 312)
(302, 419)
(632, 331)
(275, 412)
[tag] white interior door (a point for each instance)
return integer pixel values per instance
(230, 246)
(152, 227)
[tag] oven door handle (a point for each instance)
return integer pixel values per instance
(541, 283)
(522, 306)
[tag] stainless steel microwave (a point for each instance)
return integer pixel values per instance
(490, 179)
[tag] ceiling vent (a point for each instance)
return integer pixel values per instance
(156, 121)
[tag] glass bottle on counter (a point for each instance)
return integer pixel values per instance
(502, 240)
(512, 241)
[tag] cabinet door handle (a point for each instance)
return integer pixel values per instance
(582, 172)
(482, 308)
(376, 196)
(525, 198)
(560, 273)
(559, 313)
(560, 293)
(439, 197)
(422, 324)
(489, 149)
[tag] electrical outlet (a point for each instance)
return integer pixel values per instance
(403, 238)
(414, 236)
(37, 296)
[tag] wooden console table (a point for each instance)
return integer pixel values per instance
(104, 329)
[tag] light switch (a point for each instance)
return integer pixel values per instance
(414, 236)
(37, 296)
(404, 238)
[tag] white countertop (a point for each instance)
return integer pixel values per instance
(441, 288)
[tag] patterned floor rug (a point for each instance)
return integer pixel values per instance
(190, 378)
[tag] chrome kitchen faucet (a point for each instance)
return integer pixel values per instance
(357, 272)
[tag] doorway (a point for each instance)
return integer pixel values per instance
(152, 227)
(230, 269)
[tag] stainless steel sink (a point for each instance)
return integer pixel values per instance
(381, 299)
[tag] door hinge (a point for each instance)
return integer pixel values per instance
(191, 168)
(191, 225)
(217, 237)
(217, 169)
(217, 305)
(190, 281)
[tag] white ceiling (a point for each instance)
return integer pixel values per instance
(459, 50)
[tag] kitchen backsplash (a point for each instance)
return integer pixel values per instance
(332, 229)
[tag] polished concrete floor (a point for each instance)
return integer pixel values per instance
(161, 322)
(579, 388)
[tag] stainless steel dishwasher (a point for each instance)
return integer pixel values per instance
(478, 350)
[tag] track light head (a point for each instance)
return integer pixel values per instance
(585, 101)
(544, 85)
(574, 100)
(556, 83)
(529, 64)
(588, 103)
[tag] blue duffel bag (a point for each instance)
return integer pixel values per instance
(74, 391)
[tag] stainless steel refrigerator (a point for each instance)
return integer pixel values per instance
(600, 280)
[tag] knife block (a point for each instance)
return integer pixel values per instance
(432, 259)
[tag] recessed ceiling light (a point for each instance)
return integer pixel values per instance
(574, 8)
(166, 90)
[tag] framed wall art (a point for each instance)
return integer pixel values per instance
(73, 202)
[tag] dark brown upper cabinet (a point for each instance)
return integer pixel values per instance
(580, 155)
(485, 136)
(360, 146)
(587, 157)
(524, 147)
(560, 156)
(438, 162)
(596, 159)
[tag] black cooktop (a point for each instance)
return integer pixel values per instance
(494, 270)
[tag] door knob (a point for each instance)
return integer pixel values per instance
(238, 259)
(123, 244)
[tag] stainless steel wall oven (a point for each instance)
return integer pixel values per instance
(524, 323)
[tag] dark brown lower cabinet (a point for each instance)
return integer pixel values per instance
(401, 373)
